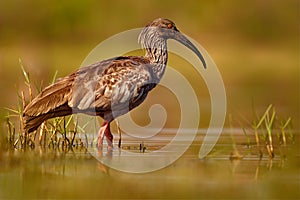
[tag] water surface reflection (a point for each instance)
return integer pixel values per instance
(46, 173)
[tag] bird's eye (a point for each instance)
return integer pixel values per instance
(170, 25)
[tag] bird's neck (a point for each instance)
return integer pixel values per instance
(158, 56)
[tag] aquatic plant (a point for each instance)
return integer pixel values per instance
(264, 127)
(53, 133)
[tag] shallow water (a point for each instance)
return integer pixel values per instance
(46, 173)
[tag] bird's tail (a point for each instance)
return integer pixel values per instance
(31, 123)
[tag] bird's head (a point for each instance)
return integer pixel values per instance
(166, 29)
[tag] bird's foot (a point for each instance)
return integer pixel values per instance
(109, 143)
(105, 131)
(109, 139)
(100, 142)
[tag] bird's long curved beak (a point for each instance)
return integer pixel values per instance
(186, 42)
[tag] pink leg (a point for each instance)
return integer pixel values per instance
(105, 130)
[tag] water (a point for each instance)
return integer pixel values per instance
(46, 173)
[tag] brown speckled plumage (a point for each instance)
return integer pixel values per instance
(109, 88)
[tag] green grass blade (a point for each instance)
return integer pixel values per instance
(69, 120)
(286, 123)
(54, 77)
(264, 116)
(246, 135)
(38, 87)
(81, 129)
(272, 118)
(26, 75)
(12, 110)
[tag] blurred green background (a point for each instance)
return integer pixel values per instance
(254, 43)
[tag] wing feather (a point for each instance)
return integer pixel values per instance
(120, 83)
(51, 97)
(121, 89)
